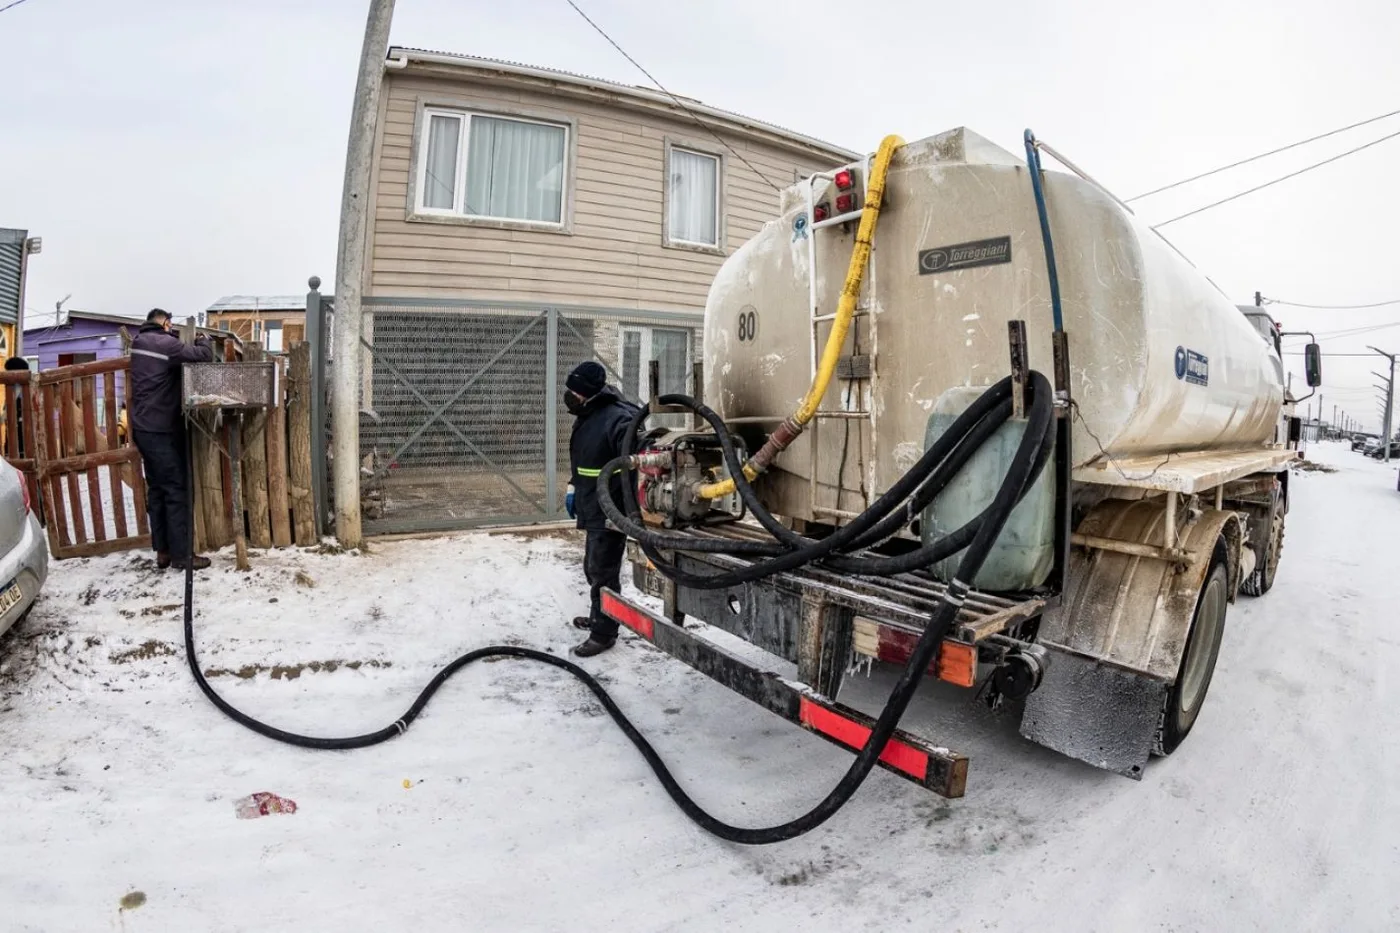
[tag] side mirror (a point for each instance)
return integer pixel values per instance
(1312, 356)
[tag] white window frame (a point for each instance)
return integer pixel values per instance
(642, 389)
(457, 212)
(721, 228)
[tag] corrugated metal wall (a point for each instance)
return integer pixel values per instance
(11, 259)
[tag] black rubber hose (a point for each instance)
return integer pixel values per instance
(890, 500)
(804, 549)
(1016, 480)
(943, 548)
(963, 441)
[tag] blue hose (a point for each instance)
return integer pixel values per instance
(1033, 163)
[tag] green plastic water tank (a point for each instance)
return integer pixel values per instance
(1024, 554)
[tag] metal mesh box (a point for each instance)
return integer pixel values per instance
(228, 385)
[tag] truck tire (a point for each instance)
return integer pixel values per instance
(1186, 696)
(1262, 579)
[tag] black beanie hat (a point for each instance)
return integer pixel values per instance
(587, 379)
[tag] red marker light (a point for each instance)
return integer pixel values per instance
(845, 180)
(845, 203)
(821, 212)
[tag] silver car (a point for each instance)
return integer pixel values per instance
(24, 552)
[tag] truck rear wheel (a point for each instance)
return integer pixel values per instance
(1187, 695)
(1262, 579)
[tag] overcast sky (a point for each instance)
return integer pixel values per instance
(170, 152)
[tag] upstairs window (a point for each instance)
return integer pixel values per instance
(693, 198)
(493, 168)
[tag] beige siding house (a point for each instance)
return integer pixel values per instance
(524, 220)
(520, 183)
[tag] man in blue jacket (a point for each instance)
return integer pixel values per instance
(602, 418)
(158, 428)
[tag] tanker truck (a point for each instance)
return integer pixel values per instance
(972, 417)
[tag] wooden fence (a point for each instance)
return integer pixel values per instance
(65, 429)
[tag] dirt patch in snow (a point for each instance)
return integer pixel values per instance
(292, 671)
(144, 652)
(1312, 466)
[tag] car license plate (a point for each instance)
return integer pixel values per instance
(10, 597)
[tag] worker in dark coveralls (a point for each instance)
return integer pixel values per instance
(602, 417)
(158, 427)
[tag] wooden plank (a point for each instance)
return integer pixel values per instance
(235, 460)
(88, 412)
(98, 548)
(68, 432)
(232, 510)
(33, 447)
(84, 462)
(201, 533)
(299, 390)
(208, 477)
(47, 501)
(81, 370)
(278, 503)
(12, 421)
(255, 478)
(116, 474)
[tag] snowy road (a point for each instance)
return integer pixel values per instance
(527, 810)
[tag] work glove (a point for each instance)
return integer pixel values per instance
(569, 502)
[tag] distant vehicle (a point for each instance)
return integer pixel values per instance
(1359, 441)
(24, 554)
(1377, 449)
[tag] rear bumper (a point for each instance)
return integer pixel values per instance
(27, 564)
(938, 769)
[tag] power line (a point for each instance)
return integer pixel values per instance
(1297, 304)
(679, 103)
(1263, 155)
(1368, 355)
(1267, 184)
(11, 6)
(1358, 331)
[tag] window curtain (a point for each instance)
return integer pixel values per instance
(515, 170)
(440, 175)
(693, 201)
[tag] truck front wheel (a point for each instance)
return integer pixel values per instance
(1198, 660)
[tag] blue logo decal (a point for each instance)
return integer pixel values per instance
(1192, 367)
(799, 227)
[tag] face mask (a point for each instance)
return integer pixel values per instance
(573, 403)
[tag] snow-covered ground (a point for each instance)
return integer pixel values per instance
(515, 804)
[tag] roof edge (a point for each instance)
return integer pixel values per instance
(400, 57)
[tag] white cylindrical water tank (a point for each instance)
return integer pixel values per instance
(1161, 360)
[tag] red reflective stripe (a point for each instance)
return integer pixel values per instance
(897, 754)
(629, 615)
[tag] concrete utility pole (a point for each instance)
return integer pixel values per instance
(349, 276)
(1389, 400)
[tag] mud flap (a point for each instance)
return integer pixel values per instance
(1102, 715)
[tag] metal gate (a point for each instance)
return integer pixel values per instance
(462, 423)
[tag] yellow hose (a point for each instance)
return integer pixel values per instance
(845, 312)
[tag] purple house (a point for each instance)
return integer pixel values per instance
(84, 337)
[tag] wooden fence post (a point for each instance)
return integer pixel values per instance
(255, 478)
(277, 462)
(299, 391)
